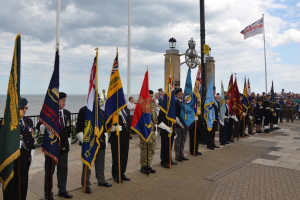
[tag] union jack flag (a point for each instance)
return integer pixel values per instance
(115, 65)
(254, 29)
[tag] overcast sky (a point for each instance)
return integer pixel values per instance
(88, 24)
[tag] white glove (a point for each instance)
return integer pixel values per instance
(222, 123)
(225, 117)
(244, 114)
(235, 119)
(250, 117)
(21, 143)
(32, 154)
(42, 129)
(196, 118)
(70, 140)
(114, 128)
(179, 122)
(156, 132)
(80, 136)
(165, 127)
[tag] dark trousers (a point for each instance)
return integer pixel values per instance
(267, 118)
(211, 135)
(124, 149)
(12, 189)
(223, 132)
(192, 138)
(62, 173)
(99, 169)
(236, 129)
(164, 153)
(230, 129)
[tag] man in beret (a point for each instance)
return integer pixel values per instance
(267, 113)
(180, 131)
(26, 154)
(64, 147)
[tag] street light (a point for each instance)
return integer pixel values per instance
(172, 43)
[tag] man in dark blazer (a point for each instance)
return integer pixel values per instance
(124, 146)
(65, 142)
(100, 157)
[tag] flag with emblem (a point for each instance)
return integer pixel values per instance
(168, 105)
(245, 99)
(197, 92)
(49, 115)
(230, 94)
(209, 111)
(10, 129)
(187, 112)
(141, 120)
(93, 120)
(115, 100)
(222, 105)
(238, 108)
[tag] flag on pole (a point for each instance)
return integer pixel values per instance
(49, 115)
(10, 129)
(237, 99)
(254, 29)
(209, 111)
(93, 121)
(273, 99)
(141, 121)
(230, 93)
(223, 106)
(245, 100)
(187, 112)
(168, 105)
(197, 92)
(115, 96)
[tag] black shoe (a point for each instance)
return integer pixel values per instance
(211, 148)
(231, 140)
(152, 170)
(65, 195)
(246, 135)
(178, 160)
(216, 146)
(105, 184)
(165, 165)
(116, 179)
(88, 191)
(173, 163)
(144, 170)
(226, 142)
(184, 158)
(198, 153)
(51, 198)
(222, 143)
(125, 178)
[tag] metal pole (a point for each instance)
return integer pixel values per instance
(202, 39)
(58, 24)
(129, 48)
(265, 56)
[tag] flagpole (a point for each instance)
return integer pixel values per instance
(58, 24)
(170, 148)
(195, 137)
(129, 48)
(266, 82)
(118, 131)
(147, 160)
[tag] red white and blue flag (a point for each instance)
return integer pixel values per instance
(254, 29)
(141, 121)
(93, 128)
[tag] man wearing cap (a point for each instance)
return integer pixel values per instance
(223, 134)
(64, 147)
(26, 154)
(267, 113)
(100, 157)
(146, 169)
(276, 107)
(161, 96)
(258, 115)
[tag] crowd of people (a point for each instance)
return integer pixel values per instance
(262, 114)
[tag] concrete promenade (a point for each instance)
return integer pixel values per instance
(264, 166)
